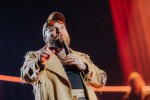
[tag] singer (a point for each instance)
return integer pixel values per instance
(56, 71)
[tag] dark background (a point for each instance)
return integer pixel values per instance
(89, 24)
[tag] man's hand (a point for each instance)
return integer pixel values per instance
(71, 59)
(45, 54)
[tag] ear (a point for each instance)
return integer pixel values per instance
(44, 38)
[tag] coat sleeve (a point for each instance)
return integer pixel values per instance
(95, 76)
(30, 70)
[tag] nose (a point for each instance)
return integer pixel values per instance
(57, 31)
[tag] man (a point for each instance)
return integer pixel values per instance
(56, 71)
(137, 92)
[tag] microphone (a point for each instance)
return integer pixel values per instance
(57, 43)
(65, 47)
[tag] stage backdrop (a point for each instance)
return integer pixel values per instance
(132, 27)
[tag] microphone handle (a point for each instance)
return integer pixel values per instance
(66, 47)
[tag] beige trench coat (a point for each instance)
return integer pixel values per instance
(52, 82)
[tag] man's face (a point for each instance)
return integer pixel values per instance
(58, 31)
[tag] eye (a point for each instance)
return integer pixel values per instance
(62, 27)
(52, 29)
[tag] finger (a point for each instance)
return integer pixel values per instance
(71, 63)
(45, 46)
(46, 52)
(70, 56)
(69, 60)
(43, 59)
(53, 51)
(62, 55)
(45, 55)
(46, 49)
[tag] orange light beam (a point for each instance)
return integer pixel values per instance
(10, 78)
(118, 88)
(113, 89)
(102, 89)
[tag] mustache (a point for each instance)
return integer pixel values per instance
(59, 41)
(56, 42)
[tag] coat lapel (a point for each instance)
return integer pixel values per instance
(54, 65)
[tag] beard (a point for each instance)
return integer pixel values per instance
(57, 42)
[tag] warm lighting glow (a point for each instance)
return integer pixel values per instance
(131, 20)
